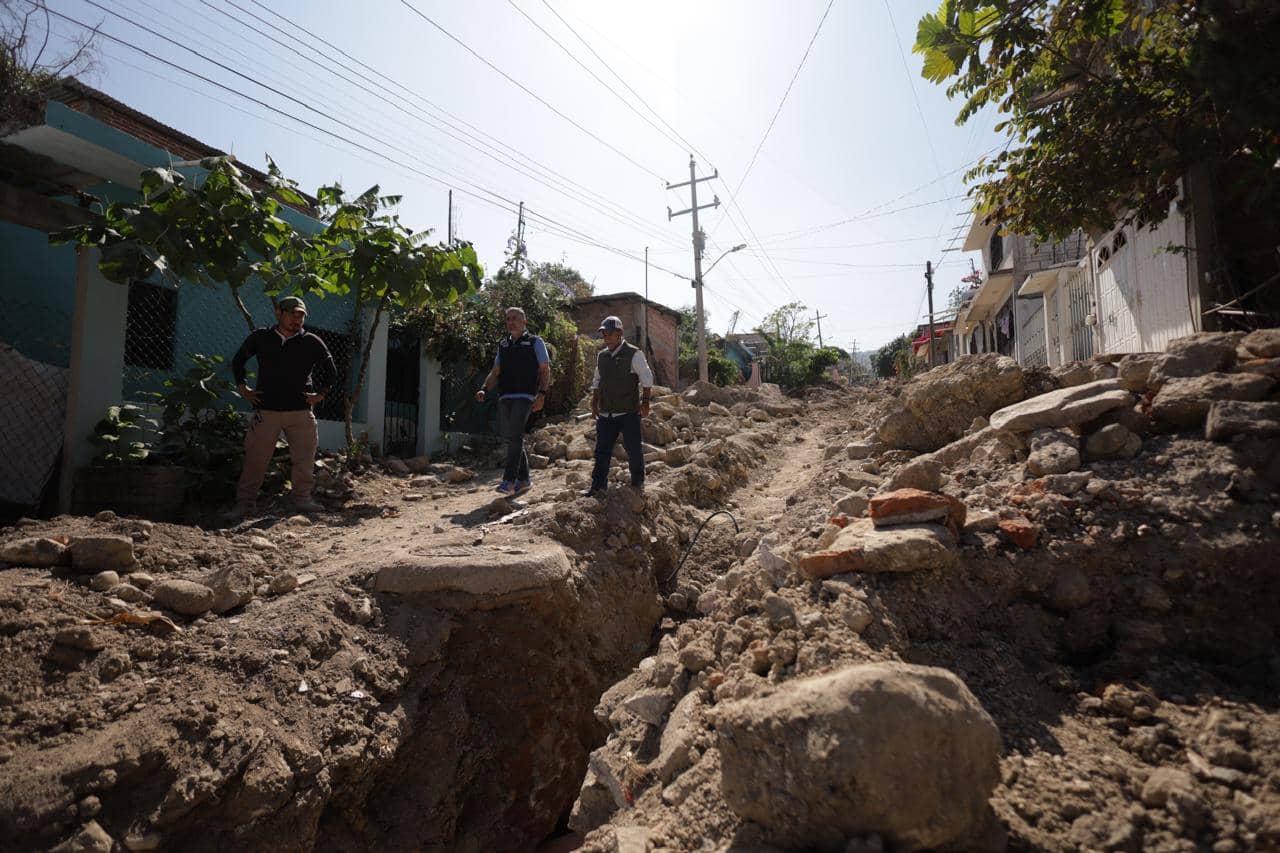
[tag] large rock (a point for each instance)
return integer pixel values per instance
(1113, 441)
(34, 552)
(938, 407)
(1135, 369)
(186, 597)
(896, 749)
(702, 393)
(477, 575)
(1194, 355)
(913, 506)
(922, 473)
(657, 432)
(100, 553)
(1229, 418)
(233, 586)
(1263, 343)
(1052, 452)
(1064, 407)
(861, 547)
(1185, 402)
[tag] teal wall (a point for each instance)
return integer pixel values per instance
(37, 281)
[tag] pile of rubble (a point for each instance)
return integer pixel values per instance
(1033, 609)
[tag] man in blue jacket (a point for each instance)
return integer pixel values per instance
(522, 373)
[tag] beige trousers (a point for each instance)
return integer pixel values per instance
(300, 431)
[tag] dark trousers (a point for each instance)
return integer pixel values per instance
(514, 412)
(607, 430)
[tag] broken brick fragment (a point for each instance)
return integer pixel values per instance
(912, 506)
(1020, 532)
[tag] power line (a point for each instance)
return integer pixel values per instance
(529, 91)
(783, 102)
(674, 141)
(586, 197)
(786, 236)
(480, 194)
(912, 86)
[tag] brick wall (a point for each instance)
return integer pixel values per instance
(663, 333)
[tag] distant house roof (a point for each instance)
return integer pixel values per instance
(627, 296)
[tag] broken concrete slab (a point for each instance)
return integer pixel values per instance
(1064, 407)
(1193, 355)
(1229, 418)
(1184, 402)
(861, 547)
(484, 572)
(34, 552)
(937, 407)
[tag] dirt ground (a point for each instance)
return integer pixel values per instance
(323, 713)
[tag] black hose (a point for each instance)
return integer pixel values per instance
(694, 541)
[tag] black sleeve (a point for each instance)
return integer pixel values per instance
(324, 372)
(247, 349)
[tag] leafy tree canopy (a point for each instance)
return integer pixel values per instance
(1108, 103)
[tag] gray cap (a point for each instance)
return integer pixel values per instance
(292, 303)
(611, 324)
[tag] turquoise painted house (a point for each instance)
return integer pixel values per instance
(73, 343)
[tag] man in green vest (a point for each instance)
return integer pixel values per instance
(620, 393)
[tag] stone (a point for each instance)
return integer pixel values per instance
(852, 505)
(128, 593)
(1019, 531)
(1064, 407)
(141, 580)
(1261, 366)
(649, 706)
(856, 480)
(1103, 370)
(457, 474)
(1073, 374)
(920, 473)
(1135, 369)
(101, 552)
(1113, 441)
(91, 838)
(489, 573)
(857, 615)
(1052, 452)
(718, 410)
(284, 582)
(912, 506)
(1184, 402)
(702, 393)
(186, 597)
(696, 656)
(233, 586)
(678, 738)
(758, 415)
(1262, 343)
(538, 462)
(1229, 418)
(1195, 355)
(1164, 783)
(35, 552)
(657, 432)
(962, 449)
(398, 466)
(261, 543)
(862, 750)
(79, 637)
(677, 455)
(418, 464)
(103, 581)
(780, 612)
(860, 547)
(937, 407)
(860, 449)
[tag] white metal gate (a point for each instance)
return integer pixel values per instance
(1031, 332)
(1079, 308)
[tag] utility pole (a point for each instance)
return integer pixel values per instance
(819, 317)
(644, 330)
(928, 277)
(450, 217)
(699, 241)
(520, 238)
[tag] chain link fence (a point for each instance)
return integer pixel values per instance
(165, 326)
(35, 353)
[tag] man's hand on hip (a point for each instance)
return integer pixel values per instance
(249, 394)
(315, 399)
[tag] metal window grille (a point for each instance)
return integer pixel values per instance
(151, 325)
(35, 352)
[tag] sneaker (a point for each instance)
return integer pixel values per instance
(308, 506)
(506, 487)
(594, 492)
(523, 486)
(238, 513)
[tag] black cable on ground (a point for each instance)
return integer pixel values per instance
(694, 541)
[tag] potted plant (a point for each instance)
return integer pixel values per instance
(126, 475)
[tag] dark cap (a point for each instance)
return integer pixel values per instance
(292, 303)
(611, 324)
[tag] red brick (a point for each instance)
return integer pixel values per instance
(1020, 532)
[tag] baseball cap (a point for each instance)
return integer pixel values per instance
(611, 324)
(292, 303)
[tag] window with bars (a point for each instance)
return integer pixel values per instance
(151, 326)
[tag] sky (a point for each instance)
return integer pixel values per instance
(585, 111)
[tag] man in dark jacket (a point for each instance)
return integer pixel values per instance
(522, 372)
(295, 371)
(620, 393)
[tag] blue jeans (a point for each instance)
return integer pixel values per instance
(514, 412)
(607, 430)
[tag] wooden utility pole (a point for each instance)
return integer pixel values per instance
(699, 241)
(928, 277)
(520, 238)
(450, 217)
(818, 317)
